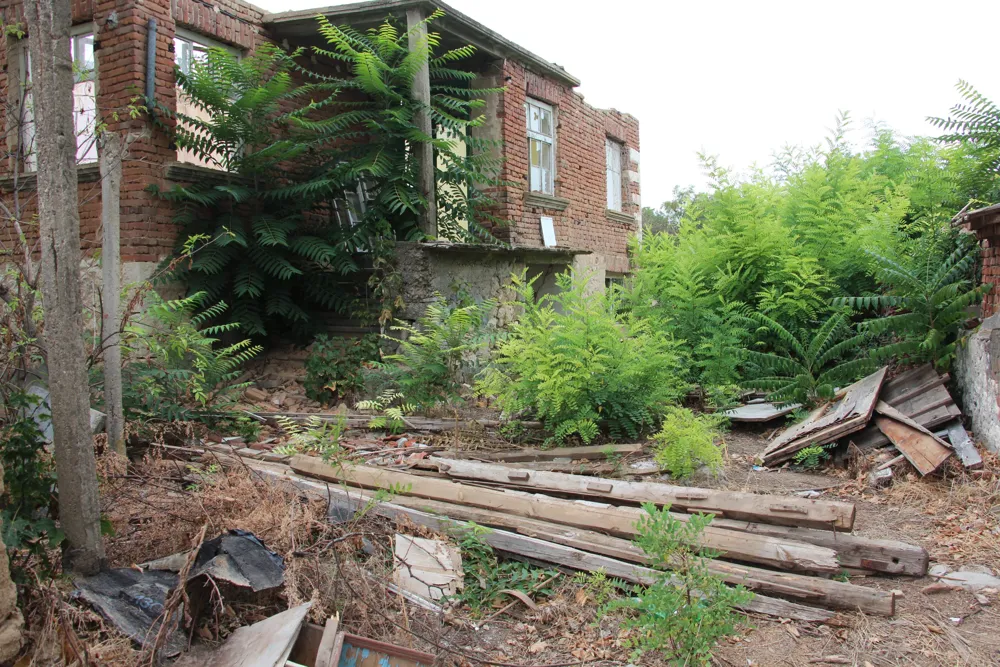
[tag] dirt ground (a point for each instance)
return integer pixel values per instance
(158, 507)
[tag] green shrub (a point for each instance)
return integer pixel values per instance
(579, 368)
(487, 577)
(334, 366)
(176, 368)
(440, 352)
(393, 408)
(807, 369)
(29, 479)
(315, 437)
(926, 300)
(688, 610)
(686, 441)
(811, 457)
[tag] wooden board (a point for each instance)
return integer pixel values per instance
(621, 521)
(919, 394)
(964, 448)
(850, 414)
(759, 412)
(586, 453)
(924, 451)
(520, 545)
(781, 510)
(827, 593)
(853, 551)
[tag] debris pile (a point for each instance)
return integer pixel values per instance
(913, 413)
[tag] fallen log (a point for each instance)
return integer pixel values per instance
(776, 552)
(780, 510)
(522, 545)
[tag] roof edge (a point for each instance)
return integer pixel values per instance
(489, 40)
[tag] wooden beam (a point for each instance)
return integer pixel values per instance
(587, 453)
(521, 545)
(964, 448)
(853, 551)
(815, 590)
(621, 521)
(781, 510)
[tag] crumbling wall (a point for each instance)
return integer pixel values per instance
(977, 370)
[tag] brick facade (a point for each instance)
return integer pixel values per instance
(985, 223)
(580, 169)
(148, 235)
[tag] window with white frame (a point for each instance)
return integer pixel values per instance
(191, 48)
(84, 100)
(541, 147)
(613, 156)
(350, 208)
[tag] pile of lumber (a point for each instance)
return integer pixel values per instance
(912, 412)
(784, 548)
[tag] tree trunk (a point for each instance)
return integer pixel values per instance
(111, 181)
(59, 232)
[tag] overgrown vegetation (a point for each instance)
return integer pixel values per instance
(580, 368)
(687, 440)
(334, 367)
(177, 368)
(688, 610)
(487, 577)
(320, 175)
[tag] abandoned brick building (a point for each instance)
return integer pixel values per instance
(573, 170)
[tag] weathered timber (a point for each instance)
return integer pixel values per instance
(413, 423)
(924, 451)
(815, 590)
(585, 453)
(621, 521)
(522, 545)
(920, 395)
(760, 412)
(964, 448)
(781, 510)
(850, 414)
(853, 551)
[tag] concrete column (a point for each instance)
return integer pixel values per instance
(424, 152)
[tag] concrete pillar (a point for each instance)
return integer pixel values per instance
(424, 152)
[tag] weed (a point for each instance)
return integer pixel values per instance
(811, 457)
(393, 417)
(687, 610)
(486, 576)
(687, 440)
(334, 365)
(598, 586)
(316, 436)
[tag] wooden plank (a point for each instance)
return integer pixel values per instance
(851, 414)
(963, 445)
(781, 510)
(759, 412)
(519, 545)
(892, 413)
(328, 653)
(824, 592)
(924, 451)
(587, 453)
(853, 551)
(783, 554)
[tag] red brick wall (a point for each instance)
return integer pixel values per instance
(986, 226)
(148, 233)
(580, 168)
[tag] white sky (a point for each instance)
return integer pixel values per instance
(740, 78)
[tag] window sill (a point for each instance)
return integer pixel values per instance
(192, 173)
(618, 216)
(85, 173)
(545, 201)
